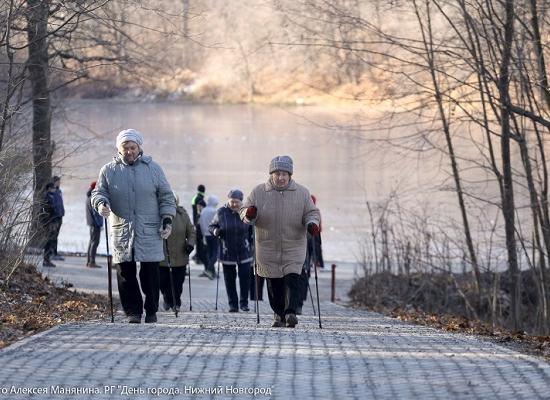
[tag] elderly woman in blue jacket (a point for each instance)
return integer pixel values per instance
(133, 192)
(235, 253)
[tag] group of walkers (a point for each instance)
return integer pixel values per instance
(268, 229)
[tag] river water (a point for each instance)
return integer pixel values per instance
(226, 146)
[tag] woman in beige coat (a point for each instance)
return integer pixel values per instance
(282, 212)
(180, 244)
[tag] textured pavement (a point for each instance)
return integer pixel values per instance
(214, 354)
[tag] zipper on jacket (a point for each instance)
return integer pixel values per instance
(281, 229)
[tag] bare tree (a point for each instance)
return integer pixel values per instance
(427, 40)
(478, 68)
(46, 46)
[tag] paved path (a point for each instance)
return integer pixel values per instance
(214, 354)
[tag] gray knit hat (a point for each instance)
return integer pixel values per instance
(129, 135)
(281, 163)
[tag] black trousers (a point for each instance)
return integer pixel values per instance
(211, 253)
(129, 291)
(56, 234)
(284, 294)
(51, 230)
(95, 235)
(261, 281)
(230, 279)
(304, 280)
(178, 274)
(201, 247)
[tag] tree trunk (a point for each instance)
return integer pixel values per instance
(185, 18)
(507, 179)
(37, 64)
(6, 104)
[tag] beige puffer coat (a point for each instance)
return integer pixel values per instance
(283, 216)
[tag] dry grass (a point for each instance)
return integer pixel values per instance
(434, 300)
(30, 304)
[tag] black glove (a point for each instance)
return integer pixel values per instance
(166, 228)
(166, 221)
(189, 248)
(218, 232)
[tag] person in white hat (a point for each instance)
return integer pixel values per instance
(133, 192)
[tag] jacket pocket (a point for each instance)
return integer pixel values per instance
(150, 228)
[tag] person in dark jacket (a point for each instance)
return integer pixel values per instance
(306, 273)
(180, 244)
(197, 204)
(314, 258)
(49, 224)
(95, 222)
(59, 213)
(236, 254)
(317, 242)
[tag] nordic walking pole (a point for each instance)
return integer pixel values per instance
(307, 271)
(252, 271)
(314, 257)
(171, 278)
(311, 296)
(256, 285)
(256, 292)
(218, 277)
(190, 305)
(217, 284)
(109, 271)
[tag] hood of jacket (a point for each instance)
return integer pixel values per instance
(212, 201)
